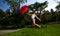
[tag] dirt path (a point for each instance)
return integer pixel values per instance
(7, 31)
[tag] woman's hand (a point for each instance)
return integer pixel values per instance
(39, 19)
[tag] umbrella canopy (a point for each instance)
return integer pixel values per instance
(24, 9)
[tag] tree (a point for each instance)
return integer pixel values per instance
(16, 19)
(52, 10)
(43, 5)
(8, 11)
(22, 1)
(2, 13)
(58, 7)
(14, 4)
(38, 6)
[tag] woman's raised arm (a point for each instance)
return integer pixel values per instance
(29, 14)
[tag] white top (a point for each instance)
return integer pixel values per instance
(33, 16)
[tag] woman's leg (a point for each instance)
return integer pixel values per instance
(34, 24)
(39, 26)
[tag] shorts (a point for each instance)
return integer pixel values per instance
(33, 21)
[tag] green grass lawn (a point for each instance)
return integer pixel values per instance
(47, 30)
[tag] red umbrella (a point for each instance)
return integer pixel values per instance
(24, 9)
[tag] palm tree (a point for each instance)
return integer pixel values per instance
(38, 6)
(14, 4)
(58, 7)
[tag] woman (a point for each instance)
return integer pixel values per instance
(33, 16)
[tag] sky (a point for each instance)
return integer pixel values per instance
(3, 6)
(52, 4)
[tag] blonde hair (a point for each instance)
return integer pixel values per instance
(36, 11)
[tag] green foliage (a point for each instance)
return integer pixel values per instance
(58, 7)
(46, 17)
(38, 6)
(16, 20)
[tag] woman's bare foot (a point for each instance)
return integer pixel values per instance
(39, 26)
